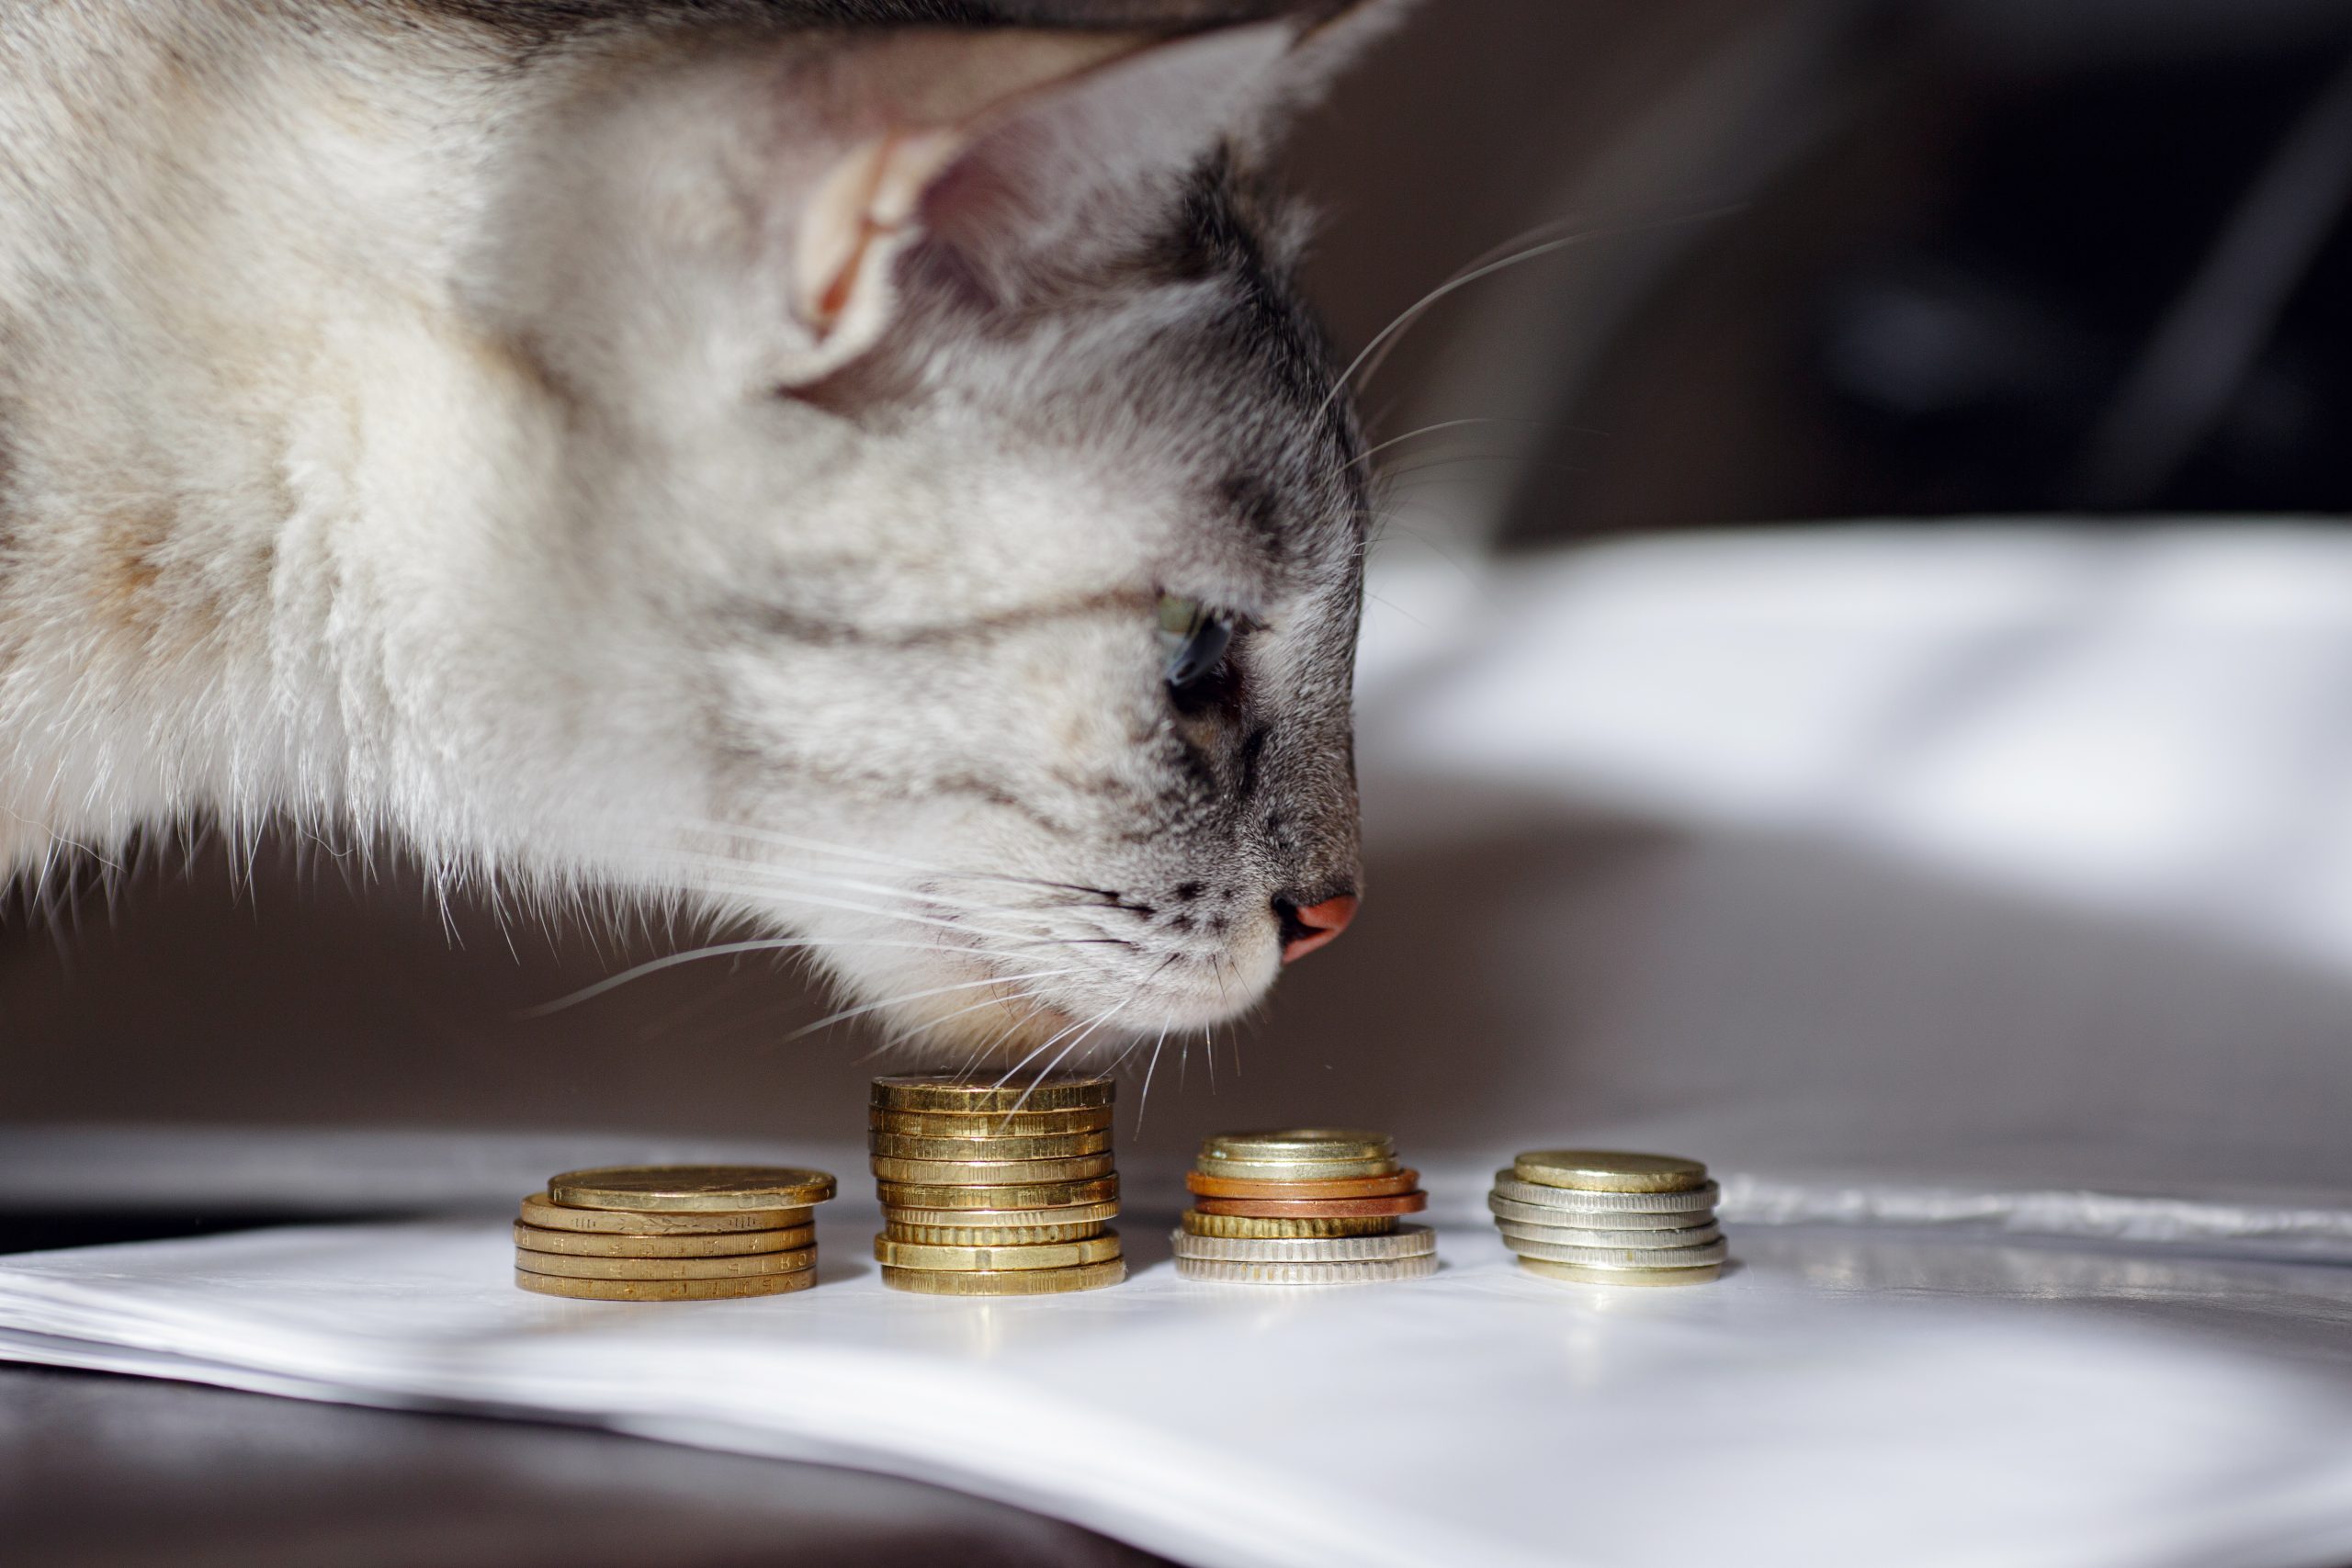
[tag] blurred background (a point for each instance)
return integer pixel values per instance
(1852, 682)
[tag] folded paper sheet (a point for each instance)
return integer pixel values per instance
(1843, 1398)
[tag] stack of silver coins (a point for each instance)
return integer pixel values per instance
(1303, 1206)
(1606, 1217)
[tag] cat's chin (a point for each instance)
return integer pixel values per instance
(1027, 1031)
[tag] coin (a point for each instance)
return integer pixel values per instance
(1294, 1170)
(1060, 1145)
(952, 1092)
(1510, 1186)
(1402, 1180)
(724, 1243)
(691, 1188)
(994, 1256)
(794, 1263)
(1318, 1209)
(539, 1210)
(1582, 1274)
(1005, 1281)
(1609, 1170)
(1612, 1219)
(1623, 1257)
(1408, 1241)
(1514, 1233)
(1199, 1223)
(983, 1235)
(1282, 1145)
(664, 1290)
(993, 1172)
(981, 1125)
(1035, 1195)
(1368, 1274)
(1011, 1219)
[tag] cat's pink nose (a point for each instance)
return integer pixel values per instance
(1310, 926)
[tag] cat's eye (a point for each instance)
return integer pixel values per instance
(1193, 638)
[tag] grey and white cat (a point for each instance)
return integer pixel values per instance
(776, 457)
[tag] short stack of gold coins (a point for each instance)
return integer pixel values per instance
(1608, 1217)
(1303, 1206)
(670, 1233)
(994, 1189)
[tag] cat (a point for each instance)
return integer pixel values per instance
(864, 467)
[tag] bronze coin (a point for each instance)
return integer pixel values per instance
(1323, 1208)
(1345, 1187)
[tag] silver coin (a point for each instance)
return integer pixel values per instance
(1507, 1186)
(1597, 1219)
(1365, 1273)
(1406, 1241)
(1515, 1231)
(1624, 1257)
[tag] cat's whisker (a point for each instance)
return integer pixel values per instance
(1371, 452)
(848, 852)
(848, 1013)
(1143, 1100)
(721, 950)
(901, 1037)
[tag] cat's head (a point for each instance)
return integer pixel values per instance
(963, 486)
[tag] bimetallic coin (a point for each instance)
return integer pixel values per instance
(1582, 1274)
(664, 1290)
(978, 1236)
(1314, 1209)
(1609, 1170)
(1623, 1257)
(1295, 1171)
(952, 1092)
(1515, 1231)
(1060, 1146)
(992, 1172)
(966, 1259)
(798, 1261)
(1408, 1241)
(1511, 1186)
(1601, 1219)
(1014, 1125)
(721, 1243)
(1370, 1273)
(1402, 1180)
(694, 1189)
(1027, 1195)
(1005, 1281)
(539, 1210)
(1008, 1219)
(1282, 1145)
(1198, 1224)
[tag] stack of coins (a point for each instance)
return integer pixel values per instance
(994, 1190)
(1601, 1217)
(1303, 1206)
(670, 1233)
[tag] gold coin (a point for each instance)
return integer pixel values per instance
(539, 1210)
(1060, 1145)
(724, 1243)
(798, 1261)
(1281, 1145)
(1250, 1227)
(1037, 1195)
(1005, 1281)
(981, 1236)
(960, 1093)
(1004, 1218)
(1293, 1170)
(694, 1188)
(664, 1290)
(1609, 1170)
(992, 1172)
(1007, 1125)
(969, 1259)
(1588, 1274)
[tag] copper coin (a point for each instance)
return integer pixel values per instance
(1316, 1208)
(1345, 1187)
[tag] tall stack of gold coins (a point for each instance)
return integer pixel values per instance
(670, 1233)
(1605, 1217)
(1303, 1206)
(994, 1190)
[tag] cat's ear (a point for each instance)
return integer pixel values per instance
(1020, 150)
